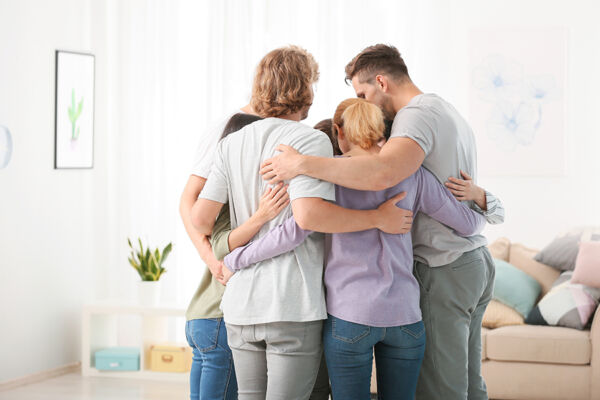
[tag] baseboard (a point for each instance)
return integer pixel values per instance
(40, 376)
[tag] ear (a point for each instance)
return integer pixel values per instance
(339, 131)
(381, 82)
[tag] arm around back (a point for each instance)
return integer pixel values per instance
(318, 215)
(398, 159)
(204, 215)
(437, 202)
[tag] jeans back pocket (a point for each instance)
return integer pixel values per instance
(348, 332)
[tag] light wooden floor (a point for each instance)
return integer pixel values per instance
(75, 387)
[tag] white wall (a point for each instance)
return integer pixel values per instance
(51, 231)
(433, 37)
(537, 208)
(164, 70)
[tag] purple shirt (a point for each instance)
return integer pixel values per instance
(368, 274)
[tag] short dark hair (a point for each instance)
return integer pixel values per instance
(237, 122)
(387, 132)
(326, 126)
(380, 59)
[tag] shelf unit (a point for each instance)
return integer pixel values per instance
(99, 330)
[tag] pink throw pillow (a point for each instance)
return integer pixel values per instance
(587, 266)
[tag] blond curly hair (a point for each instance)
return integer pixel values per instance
(283, 82)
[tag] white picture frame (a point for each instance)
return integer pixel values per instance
(74, 110)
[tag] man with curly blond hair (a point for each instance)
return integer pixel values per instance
(274, 310)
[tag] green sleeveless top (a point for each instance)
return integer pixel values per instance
(207, 299)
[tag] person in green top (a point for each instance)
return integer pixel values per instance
(212, 375)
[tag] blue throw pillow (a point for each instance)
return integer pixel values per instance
(515, 288)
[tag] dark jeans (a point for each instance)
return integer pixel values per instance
(212, 376)
(349, 352)
(453, 300)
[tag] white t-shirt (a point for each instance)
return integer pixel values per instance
(205, 152)
(288, 287)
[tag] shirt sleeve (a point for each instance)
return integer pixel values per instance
(216, 187)
(279, 240)
(315, 144)
(417, 124)
(219, 239)
(494, 214)
(436, 201)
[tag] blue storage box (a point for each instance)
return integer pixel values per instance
(118, 359)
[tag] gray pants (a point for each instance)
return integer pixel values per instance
(277, 360)
(453, 300)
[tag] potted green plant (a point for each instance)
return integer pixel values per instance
(149, 265)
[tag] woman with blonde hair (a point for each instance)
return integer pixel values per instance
(372, 295)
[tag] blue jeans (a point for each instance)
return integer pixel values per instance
(212, 376)
(349, 348)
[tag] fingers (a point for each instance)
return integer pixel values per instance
(454, 186)
(269, 176)
(282, 202)
(218, 276)
(465, 175)
(397, 198)
(459, 194)
(283, 205)
(266, 193)
(406, 225)
(457, 181)
(401, 196)
(283, 147)
(404, 229)
(266, 166)
(279, 191)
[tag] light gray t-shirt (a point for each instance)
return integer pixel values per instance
(288, 287)
(449, 146)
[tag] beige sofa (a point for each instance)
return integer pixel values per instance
(537, 362)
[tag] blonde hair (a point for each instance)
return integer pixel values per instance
(283, 82)
(362, 122)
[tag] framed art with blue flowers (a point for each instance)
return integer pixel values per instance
(517, 100)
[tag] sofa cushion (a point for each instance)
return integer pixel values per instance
(519, 380)
(567, 304)
(498, 314)
(587, 267)
(515, 288)
(541, 344)
(522, 258)
(561, 253)
(500, 249)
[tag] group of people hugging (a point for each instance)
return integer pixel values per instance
(330, 247)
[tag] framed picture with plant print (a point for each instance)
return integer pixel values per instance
(74, 110)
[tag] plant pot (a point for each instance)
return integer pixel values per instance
(149, 293)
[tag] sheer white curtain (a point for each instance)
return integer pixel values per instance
(182, 64)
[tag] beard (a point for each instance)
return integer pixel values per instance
(388, 109)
